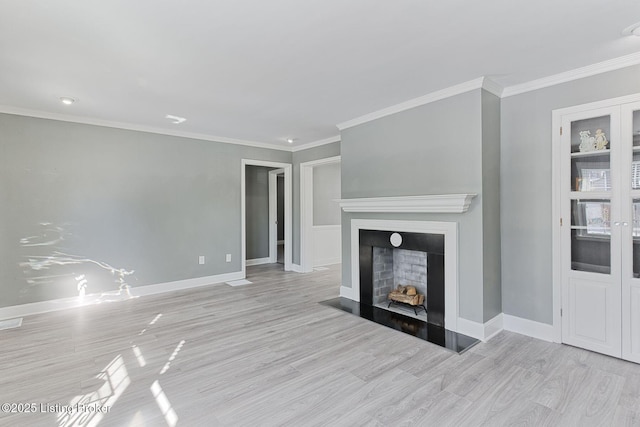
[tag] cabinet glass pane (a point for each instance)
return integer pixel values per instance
(590, 160)
(635, 232)
(591, 236)
(635, 165)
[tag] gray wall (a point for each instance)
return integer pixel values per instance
(525, 183)
(326, 192)
(491, 253)
(74, 198)
(257, 211)
(302, 156)
(431, 149)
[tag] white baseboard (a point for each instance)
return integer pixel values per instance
(347, 293)
(531, 328)
(481, 331)
(258, 261)
(493, 327)
(470, 328)
(134, 292)
(297, 268)
(326, 261)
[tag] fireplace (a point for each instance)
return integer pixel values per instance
(437, 241)
(388, 259)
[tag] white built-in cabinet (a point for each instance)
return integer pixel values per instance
(598, 191)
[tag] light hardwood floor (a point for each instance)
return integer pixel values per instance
(268, 354)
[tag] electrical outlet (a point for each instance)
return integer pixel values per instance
(228, 258)
(201, 259)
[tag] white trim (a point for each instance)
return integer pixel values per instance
(326, 227)
(416, 102)
(134, 292)
(139, 128)
(297, 268)
(440, 203)
(575, 74)
(273, 214)
(450, 232)
(470, 328)
(259, 261)
(493, 327)
(288, 211)
(541, 331)
(482, 331)
(306, 209)
(556, 214)
(492, 87)
(314, 144)
(327, 261)
(346, 292)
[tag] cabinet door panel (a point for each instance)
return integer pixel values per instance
(594, 323)
(592, 243)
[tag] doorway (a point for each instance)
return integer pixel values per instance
(320, 241)
(287, 234)
(276, 216)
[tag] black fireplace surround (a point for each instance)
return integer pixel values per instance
(432, 244)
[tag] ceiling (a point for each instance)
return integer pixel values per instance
(265, 71)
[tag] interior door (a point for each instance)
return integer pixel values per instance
(591, 231)
(630, 130)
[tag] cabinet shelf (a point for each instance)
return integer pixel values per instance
(593, 153)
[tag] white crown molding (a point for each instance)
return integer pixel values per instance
(492, 87)
(575, 74)
(316, 143)
(416, 102)
(129, 126)
(438, 203)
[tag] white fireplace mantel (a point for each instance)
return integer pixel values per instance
(432, 203)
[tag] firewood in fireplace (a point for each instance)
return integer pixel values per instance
(407, 295)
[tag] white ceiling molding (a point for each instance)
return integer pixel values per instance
(432, 203)
(416, 102)
(129, 126)
(492, 87)
(316, 143)
(575, 74)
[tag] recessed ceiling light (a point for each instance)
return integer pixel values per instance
(632, 30)
(290, 140)
(67, 100)
(176, 120)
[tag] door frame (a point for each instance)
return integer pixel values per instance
(556, 195)
(306, 210)
(273, 214)
(288, 215)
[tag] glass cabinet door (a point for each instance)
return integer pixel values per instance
(591, 189)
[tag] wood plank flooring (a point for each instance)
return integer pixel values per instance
(268, 354)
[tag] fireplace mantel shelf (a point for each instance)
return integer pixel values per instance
(432, 203)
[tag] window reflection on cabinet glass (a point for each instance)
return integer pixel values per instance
(591, 236)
